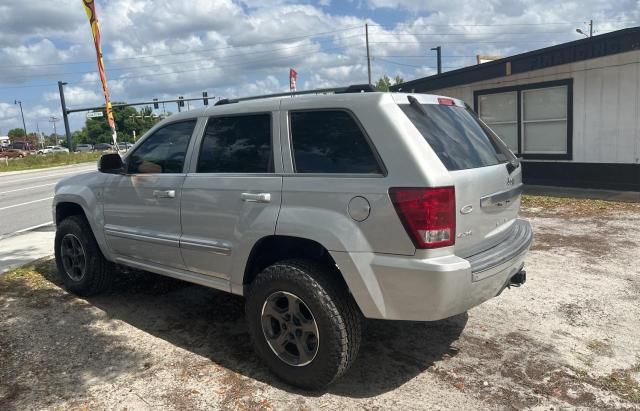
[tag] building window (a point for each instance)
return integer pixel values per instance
(500, 112)
(534, 120)
(544, 120)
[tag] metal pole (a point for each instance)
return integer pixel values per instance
(366, 34)
(439, 57)
(65, 115)
(24, 126)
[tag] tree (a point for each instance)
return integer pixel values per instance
(16, 132)
(384, 82)
(128, 120)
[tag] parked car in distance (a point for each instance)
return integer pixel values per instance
(84, 147)
(23, 145)
(319, 210)
(124, 146)
(45, 150)
(59, 149)
(103, 147)
(13, 153)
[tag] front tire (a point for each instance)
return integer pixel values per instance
(303, 323)
(81, 265)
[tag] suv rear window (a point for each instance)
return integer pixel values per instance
(456, 136)
(330, 141)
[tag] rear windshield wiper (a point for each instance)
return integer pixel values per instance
(416, 104)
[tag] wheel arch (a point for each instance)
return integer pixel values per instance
(271, 249)
(66, 205)
(67, 209)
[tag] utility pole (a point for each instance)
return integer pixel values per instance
(40, 139)
(590, 28)
(366, 34)
(24, 126)
(439, 54)
(54, 120)
(65, 115)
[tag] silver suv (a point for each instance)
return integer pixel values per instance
(320, 210)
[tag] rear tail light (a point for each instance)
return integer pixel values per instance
(428, 214)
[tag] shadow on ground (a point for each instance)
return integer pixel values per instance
(211, 323)
(203, 321)
(44, 355)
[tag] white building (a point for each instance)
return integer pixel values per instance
(571, 112)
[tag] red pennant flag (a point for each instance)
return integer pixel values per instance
(293, 76)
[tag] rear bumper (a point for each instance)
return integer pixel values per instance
(408, 288)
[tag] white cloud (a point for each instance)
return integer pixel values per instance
(76, 96)
(165, 48)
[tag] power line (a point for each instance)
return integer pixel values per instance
(469, 42)
(411, 65)
(284, 58)
(478, 25)
(426, 56)
(314, 51)
(193, 51)
(212, 59)
(396, 33)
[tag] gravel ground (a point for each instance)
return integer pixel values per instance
(568, 338)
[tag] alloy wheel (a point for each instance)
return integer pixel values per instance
(290, 328)
(73, 257)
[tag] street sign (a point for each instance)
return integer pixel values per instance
(93, 114)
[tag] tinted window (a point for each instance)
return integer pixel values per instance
(455, 135)
(238, 144)
(163, 151)
(330, 142)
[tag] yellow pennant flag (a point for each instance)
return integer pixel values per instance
(90, 8)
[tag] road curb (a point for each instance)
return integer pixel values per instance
(10, 268)
(25, 230)
(35, 170)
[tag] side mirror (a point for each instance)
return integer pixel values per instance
(111, 163)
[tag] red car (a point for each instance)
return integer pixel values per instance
(13, 153)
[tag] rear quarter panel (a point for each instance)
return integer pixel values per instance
(315, 206)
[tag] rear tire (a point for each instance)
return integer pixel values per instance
(322, 302)
(81, 265)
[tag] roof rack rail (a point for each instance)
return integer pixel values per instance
(225, 101)
(356, 88)
(359, 88)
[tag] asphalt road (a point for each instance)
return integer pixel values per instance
(25, 198)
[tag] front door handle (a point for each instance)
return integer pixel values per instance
(164, 193)
(256, 198)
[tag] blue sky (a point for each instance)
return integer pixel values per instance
(165, 48)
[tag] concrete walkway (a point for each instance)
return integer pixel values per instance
(24, 248)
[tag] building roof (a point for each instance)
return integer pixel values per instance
(615, 42)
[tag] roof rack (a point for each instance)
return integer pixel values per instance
(356, 88)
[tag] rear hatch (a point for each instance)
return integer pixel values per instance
(486, 175)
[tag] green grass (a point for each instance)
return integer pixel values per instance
(49, 160)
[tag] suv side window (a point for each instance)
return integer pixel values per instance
(330, 141)
(237, 144)
(164, 151)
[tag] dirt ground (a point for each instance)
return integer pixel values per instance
(569, 338)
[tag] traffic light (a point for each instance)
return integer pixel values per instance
(155, 104)
(180, 103)
(205, 100)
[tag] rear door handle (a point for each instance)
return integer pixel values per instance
(256, 198)
(164, 193)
